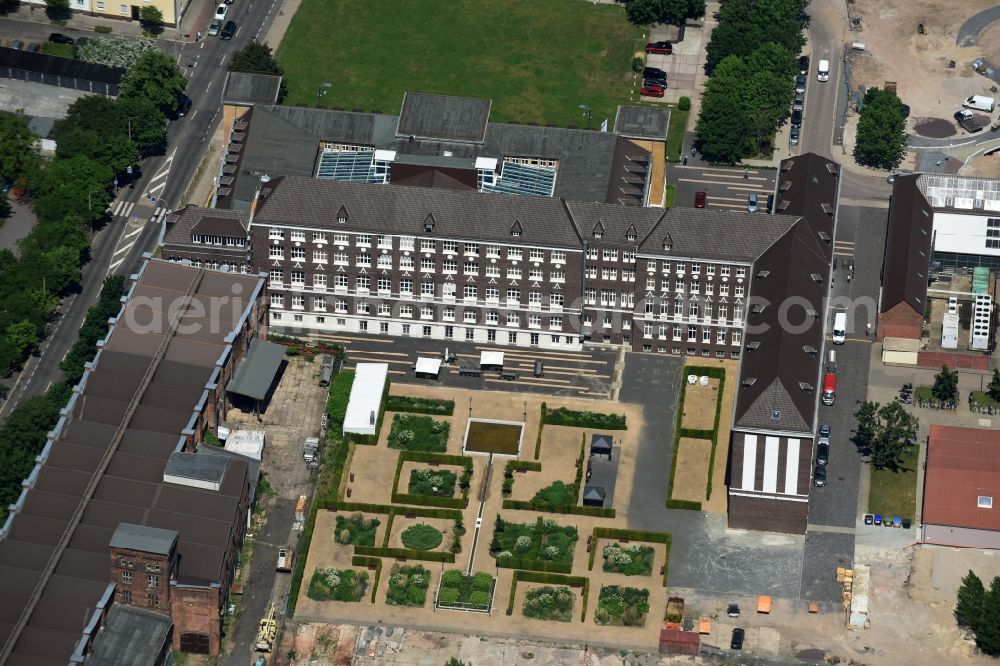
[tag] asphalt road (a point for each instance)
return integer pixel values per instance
(724, 188)
(121, 243)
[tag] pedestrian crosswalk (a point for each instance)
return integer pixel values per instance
(121, 208)
(133, 229)
(843, 248)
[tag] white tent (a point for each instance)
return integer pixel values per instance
(249, 443)
(491, 359)
(428, 367)
(366, 398)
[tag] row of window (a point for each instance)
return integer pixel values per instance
(385, 241)
(225, 241)
(676, 333)
(151, 579)
(125, 596)
(692, 311)
(612, 298)
(690, 351)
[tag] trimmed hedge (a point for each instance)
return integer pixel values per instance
(404, 403)
(408, 553)
(532, 564)
(525, 465)
(340, 395)
(465, 462)
(549, 579)
(365, 561)
(576, 419)
(593, 511)
(632, 535)
(541, 426)
(711, 435)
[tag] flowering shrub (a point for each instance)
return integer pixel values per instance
(523, 543)
(630, 559)
(115, 51)
(332, 584)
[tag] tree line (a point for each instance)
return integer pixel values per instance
(977, 610)
(97, 142)
(752, 61)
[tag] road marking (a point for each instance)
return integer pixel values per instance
(193, 114)
(114, 266)
(131, 233)
(124, 248)
(830, 528)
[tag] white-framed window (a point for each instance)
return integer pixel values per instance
(471, 267)
(681, 266)
(298, 301)
(695, 287)
(448, 291)
(492, 294)
(340, 305)
(706, 335)
(469, 315)
(406, 263)
(405, 310)
(298, 253)
(384, 309)
(274, 233)
(319, 281)
(514, 253)
(363, 283)
(647, 330)
(449, 246)
(536, 255)
(426, 288)
(610, 255)
(693, 309)
(319, 237)
(741, 271)
(535, 298)
(340, 281)
(738, 290)
(319, 303)
(650, 283)
(492, 317)
(276, 252)
(628, 256)
(277, 300)
(514, 272)
(737, 337)
(492, 270)
(590, 296)
(341, 239)
(558, 257)
(298, 278)
(557, 275)
(406, 287)
(384, 284)
(319, 256)
(340, 258)
(513, 295)
(609, 273)
(384, 261)
(364, 307)
(695, 267)
(472, 249)
(297, 235)
(449, 265)
(427, 312)
(469, 292)
(363, 260)
(385, 241)
(591, 253)
(363, 240)
(534, 321)
(676, 333)
(512, 319)
(592, 272)
(556, 300)
(710, 270)
(723, 289)
(692, 333)
(406, 242)
(427, 264)
(555, 323)
(276, 276)
(724, 271)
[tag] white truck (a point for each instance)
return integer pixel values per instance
(980, 103)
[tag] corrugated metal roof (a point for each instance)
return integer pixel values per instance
(129, 635)
(444, 117)
(257, 370)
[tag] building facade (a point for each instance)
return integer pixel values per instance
(172, 10)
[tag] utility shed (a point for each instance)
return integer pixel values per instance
(678, 641)
(366, 398)
(258, 372)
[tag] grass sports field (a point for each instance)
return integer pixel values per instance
(537, 60)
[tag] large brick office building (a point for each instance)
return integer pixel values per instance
(120, 509)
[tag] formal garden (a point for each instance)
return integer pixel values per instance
(549, 603)
(463, 592)
(407, 586)
(418, 433)
(422, 537)
(431, 481)
(622, 606)
(332, 584)
(493, 437)
(519, 545)
(629, 559)
(356, 530)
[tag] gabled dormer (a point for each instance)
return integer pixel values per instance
(429, 223)
(342, 215)
(668, 243)
(631, 235)
(516, 229)
(598, 230)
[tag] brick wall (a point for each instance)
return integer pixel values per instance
(195, 610)
(142, 579)
(900, 321)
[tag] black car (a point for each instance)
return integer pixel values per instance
(737, 642)
(803, 64)
(822, 454)
(183, 105)
(800, 83)
(228, 30)
(59, 38)
(796, 118)
(653, 72)
(819, 476)
(654, 81)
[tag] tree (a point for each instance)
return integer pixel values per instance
(155, 77)
(970, 601)
(145, 125)
(646, 12)
(881, 137)
(455, 662)
(23, 337)
(886, 432)
(4, 206)
(988, 631)
(255, 58)
(993, 390)
(151, 18)
(945, 386)
(721, 129)
(744, 25)
(17, 146)
(57, 10)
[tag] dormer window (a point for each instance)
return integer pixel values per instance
(342, 216)
(516, 229)
(429, 223)
(668, 243)
(599, 230)
(631, 235)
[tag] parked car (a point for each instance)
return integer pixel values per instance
(824, 430)
(799, 102)
(59, 38)
(699, 199)
(800, 83)
(793, 137)
(214, 29)
(737, 641)
(796, 118)
(17, 44)
(220, 11)
(228, 30)
(651, 91)
(662, 48)
(34, 47)
(654, 81)
(822, 454)
(752, 202)
(803, 64)
(819, 476)
(183, 105)
(654, 73)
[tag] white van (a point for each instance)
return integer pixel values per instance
(839, 328)
(823, 70)
(980, 103)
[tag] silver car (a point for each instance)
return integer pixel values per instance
(214, 28)
(752, 202)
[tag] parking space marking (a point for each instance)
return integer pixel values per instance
(360, 357)
(531, 383)
(382, 353)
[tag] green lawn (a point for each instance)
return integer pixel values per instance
(895, 493)
(537, 61)
(61, 50)
(675, 134)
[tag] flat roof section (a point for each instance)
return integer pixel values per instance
(444, 117)
(366, 398)
(642, 122)
(144, 538)
(130, 635)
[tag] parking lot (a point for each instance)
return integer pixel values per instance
(725, 189)
(681, 66)
(588, 374)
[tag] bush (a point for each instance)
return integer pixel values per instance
(549, 603)
(684, 103)
(403, 403)
(330, 584)
(578, 419)
(638, 64)
(418, 433)
(622, 606)
(464, 591)
(422, 537)
(340, 395)
(103, 29)
(115, 51)
(447, 595)
(356, 530)
(408, 586)
(431, 481)
(557, 494)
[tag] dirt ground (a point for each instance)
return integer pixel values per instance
(919, 63)
(699, 405)
(692, 469)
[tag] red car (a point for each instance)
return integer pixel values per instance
(699, 199)
(651, 91)
(662, 48)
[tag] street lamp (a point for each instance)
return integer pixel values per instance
(321, 90)
(586, 112)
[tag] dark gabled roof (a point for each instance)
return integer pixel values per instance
(779, 369)
(600, 443)
(403, 210)
(445, 117)
(703, 233)
(257, 370)
(182, 224)
(247, 88)
(642, 122)
(614, 221)
(907, 246)
(130, 635)
(594, 493)
(144, 538)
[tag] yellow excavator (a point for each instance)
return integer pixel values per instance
(268, 631)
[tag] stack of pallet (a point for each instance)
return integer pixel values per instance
(846, 578)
